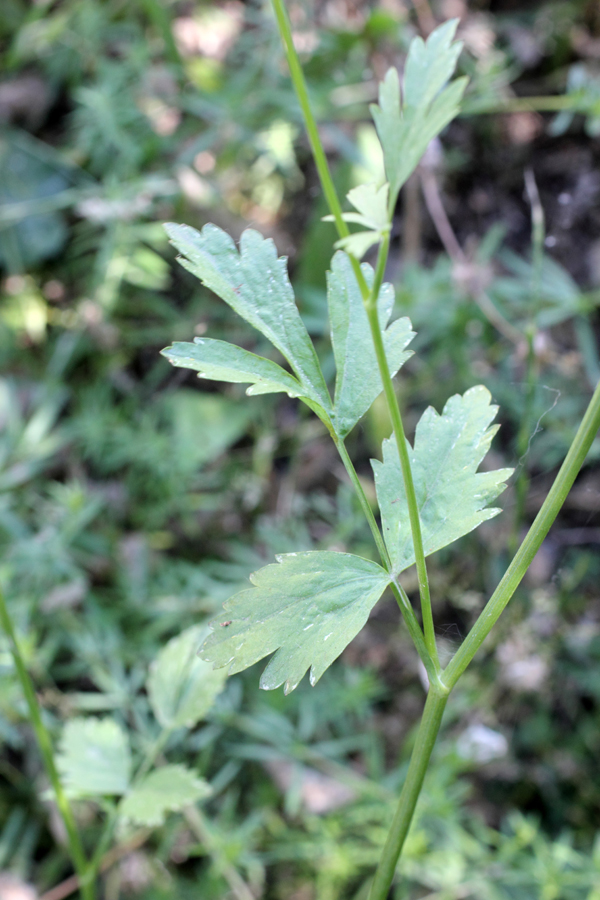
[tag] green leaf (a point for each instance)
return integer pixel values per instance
(451, 495)
(358, 381)
(168, 789)
(406, 127)
(358, 242)
(94, 758)
(181, 687)
(254, 282)
(221, 361)
(371, 203)
(307, 608)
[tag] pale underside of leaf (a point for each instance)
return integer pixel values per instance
(407, 124)
(307, 607)
(358, 381)
(94, 758)
(168, 789)
(181, 687)
(451, 494)
(221, 361)
(255, 284)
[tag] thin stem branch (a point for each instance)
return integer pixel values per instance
(414, 629)
(366, 506)
(45, 746)
(301, 90)
(401, 442)
(404, 603)
(299, 82)
(543, 521)
(419, 761)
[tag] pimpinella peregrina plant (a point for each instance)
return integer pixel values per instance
(306, 607)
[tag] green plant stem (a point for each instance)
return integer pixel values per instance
(522, 479)
(45, 745)
(370, 301)
(401, 442)
(406, 609)
(299, 82)
(419, 760)
(366, 506)
(563, 483)
(414, 629)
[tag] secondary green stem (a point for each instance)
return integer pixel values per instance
(563, 483)
(419, 760)
(366, 506)
(45, 746)
(299, 82)
(406, 609)
(398, 428)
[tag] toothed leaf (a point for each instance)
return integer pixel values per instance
(406, 125)
(221, 361)
(371, 203)
(168, 789)
(307, 607)
(94, 758)
(254, 282)
(451, 495)
(181, 687)
(358, 382)
(358, 243)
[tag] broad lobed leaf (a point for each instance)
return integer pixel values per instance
(307, 607)
(451, 495)
(221, 361)
(168, 789)
(255, 283)
(407, 124)
(94, 758)
(358, 381)
(181, 687)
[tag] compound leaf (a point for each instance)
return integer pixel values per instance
(308, 608)
(221, 361)
(358, 382)
(451, 494)
(406, 125)
(255, 283)
(94, 758)
(181, 687)
(169, 789)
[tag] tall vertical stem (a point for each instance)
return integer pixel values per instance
(419, 760)
(45, 746)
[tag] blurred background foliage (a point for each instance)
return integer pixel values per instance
(133, 501)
